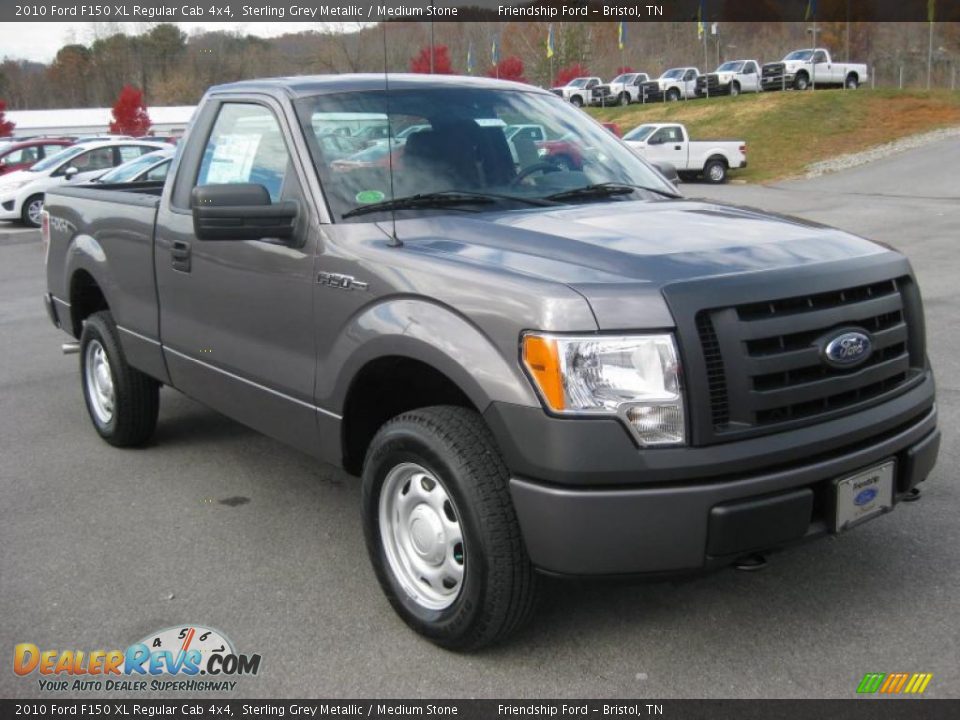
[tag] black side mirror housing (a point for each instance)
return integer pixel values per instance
(240, 211)
(668, 171)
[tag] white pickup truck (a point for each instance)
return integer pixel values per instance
(811, 67)
(731, 78)
(622, 90)
(578, 91)
(674, 84)
(670, 143)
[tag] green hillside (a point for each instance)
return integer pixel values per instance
(786, 131)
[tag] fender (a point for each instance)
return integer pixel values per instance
(434, 334)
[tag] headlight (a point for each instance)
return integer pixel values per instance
(634, 377)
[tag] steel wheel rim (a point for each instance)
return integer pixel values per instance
(421, 536)
(34, 211)
(99, 381)
(716, 173)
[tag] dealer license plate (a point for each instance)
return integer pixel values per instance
(863, 496)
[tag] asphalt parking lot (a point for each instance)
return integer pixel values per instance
(214, 524)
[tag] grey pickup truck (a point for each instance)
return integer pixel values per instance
(534, 369)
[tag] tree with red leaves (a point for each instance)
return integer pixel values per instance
(130, 113)
(624, 69)
(510, 68)
(568, 73)
(6, 126)
(441, 61)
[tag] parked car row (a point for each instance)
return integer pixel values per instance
(799, 70)
(32, 167)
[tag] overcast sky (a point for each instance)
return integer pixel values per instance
(41, 40)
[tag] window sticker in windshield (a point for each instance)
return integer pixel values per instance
(366, 197)
(233, 157)
(490, 122)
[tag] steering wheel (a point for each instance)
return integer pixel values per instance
(544, 167)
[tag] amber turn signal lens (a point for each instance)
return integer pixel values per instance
(541, 359)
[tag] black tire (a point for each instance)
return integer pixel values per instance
(801, 82)
(852, 82)
(577, 101)
(624, 98)
(25, 211)
(715, 172)
(499, 585)
(136, 397)
(734, 89)
(673, 94)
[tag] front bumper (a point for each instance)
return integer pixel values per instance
(600, 506)
(9, 209)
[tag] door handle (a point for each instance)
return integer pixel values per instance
(676, 147)
(180, 255)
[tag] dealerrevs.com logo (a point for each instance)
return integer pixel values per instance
(188, 658)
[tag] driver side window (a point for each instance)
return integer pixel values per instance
(820, 56)
(690, 75)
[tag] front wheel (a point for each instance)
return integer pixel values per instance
(715, 171)
(801, 82)
(624, 98)
(734, 89)
(32, 212)
(673, 94)
(577, 101)
(441, 530)
(123, 402)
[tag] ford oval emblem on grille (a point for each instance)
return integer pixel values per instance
(847, 349)
(865, 496)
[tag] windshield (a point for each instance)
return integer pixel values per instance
(800, 55)
(734, 66)
(464, 146)
(623, 79)
(128, 171)
(676, 73)
(55, 160)
(577, 82)
(640, 133)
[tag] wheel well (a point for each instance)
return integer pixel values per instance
(86, 298)
(853, 74)
(721, 158)
(383, 389)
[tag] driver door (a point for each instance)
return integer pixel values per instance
(236, 315)
(666, 145)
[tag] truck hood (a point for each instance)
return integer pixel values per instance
(618, 254)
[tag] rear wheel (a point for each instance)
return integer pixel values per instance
(32, 212)
(441, 530)
(852, 82)
(123, 402)
(715, 171)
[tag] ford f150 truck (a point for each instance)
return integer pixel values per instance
(579, 91)
(670, 143)
(622, 90)
(801, 69)
(532, 369)
(731, 78)
(674, 84)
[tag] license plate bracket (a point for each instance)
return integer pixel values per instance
(863, 495)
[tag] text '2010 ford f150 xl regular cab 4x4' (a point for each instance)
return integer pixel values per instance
(533, 368)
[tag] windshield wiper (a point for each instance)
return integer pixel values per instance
(606, 189)
(443, 198)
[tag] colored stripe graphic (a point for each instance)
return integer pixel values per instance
(870, 683)
(894, 683)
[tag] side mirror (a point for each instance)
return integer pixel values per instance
(668, 171)
(70, 173)
(241, 211)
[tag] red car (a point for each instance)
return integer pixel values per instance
(23, 154)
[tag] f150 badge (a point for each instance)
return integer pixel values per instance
(340, 282)
(847, 349)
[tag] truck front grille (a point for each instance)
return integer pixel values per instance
(710, 81)
(764, 361)
(650, 92)
(773, 70)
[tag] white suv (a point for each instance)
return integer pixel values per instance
(21, 192)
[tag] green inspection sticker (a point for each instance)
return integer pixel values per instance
(365, 197)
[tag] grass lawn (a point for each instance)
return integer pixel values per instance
(786, 131)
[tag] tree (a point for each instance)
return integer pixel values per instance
(568, 73)
(441, 60)
(130, 113)
(6, 126)
(510, 68)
